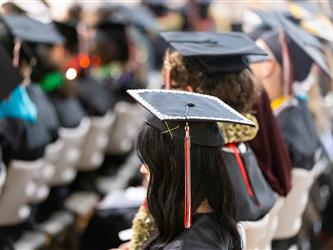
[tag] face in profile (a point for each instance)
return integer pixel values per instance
(144, 170)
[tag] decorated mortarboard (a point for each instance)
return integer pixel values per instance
(10, 78)
(29, 30)
(190, 117)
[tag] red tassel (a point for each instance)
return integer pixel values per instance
(188, 191)
(167, 79)
(16, 53)
(286, 64)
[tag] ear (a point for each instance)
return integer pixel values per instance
(188, 88)
(264, 69)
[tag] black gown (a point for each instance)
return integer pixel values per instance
(249, 208)
(205, 233)
(299, 134)
(69, 110)
(45, 109)
(94, 97)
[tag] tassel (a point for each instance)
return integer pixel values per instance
(188, 191)
(286, 64)
(167, 79)
(16, 52)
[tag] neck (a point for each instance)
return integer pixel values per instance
(204, 207)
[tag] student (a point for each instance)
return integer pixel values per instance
(114, 60)
(193, 208)
(292, 52)
(94, 97)
(216, 64)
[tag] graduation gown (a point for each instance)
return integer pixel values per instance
(249, 208)
(269, 147)
(22, 140)
(69, 110)
(94, 97)
(45, 110)
(298, 132)
(205, 233)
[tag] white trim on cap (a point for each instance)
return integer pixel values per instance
(135, 93)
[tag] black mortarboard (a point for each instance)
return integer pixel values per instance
(190, 117)
(304, 49)
(9, 76)
(213, 52)
(139, 16)
(69, 32)
(110, 30)
(30, 30)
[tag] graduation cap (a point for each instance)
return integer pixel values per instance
(30, 30)
(110, 30)
(288, 41)
(190, 117)
(212, 52)
(10, 78)
(69, 32)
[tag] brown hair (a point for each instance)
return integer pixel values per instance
(235, 89)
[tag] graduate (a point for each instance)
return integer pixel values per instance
(114, 60)
(292, 53)
(216, 64)
(30, 121)
(190, 195)
(93, 96)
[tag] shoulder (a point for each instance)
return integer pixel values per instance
(204, 234)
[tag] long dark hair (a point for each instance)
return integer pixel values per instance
(210, 181)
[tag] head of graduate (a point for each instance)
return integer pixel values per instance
(292, 53)
(212, 63)
(180, 149)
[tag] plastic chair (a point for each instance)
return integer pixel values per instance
(20, 188)
(265, 243)
(3, 175)
(129, 119)
(69, 156)
(290, 215)
(97, 139)
(51, 155)
(254, 231)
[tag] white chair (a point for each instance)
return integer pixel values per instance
(20, 188)
(254, 231)
(69, 155)
(129, 119)
(265, 243)
(290, 215)
(51, 155)
(97, 139)
(3, 175)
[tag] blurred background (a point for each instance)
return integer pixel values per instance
(70, 174)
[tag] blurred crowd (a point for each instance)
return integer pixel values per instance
(70, 174)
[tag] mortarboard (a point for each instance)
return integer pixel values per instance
(213, 52)
(192, 117)
(303, 48)
(110, 30)
(30, 30)
(10, 78)
(69, 32)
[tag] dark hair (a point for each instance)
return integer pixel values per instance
(235, 89)
(165, 159)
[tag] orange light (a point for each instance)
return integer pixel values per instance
(84, 62)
